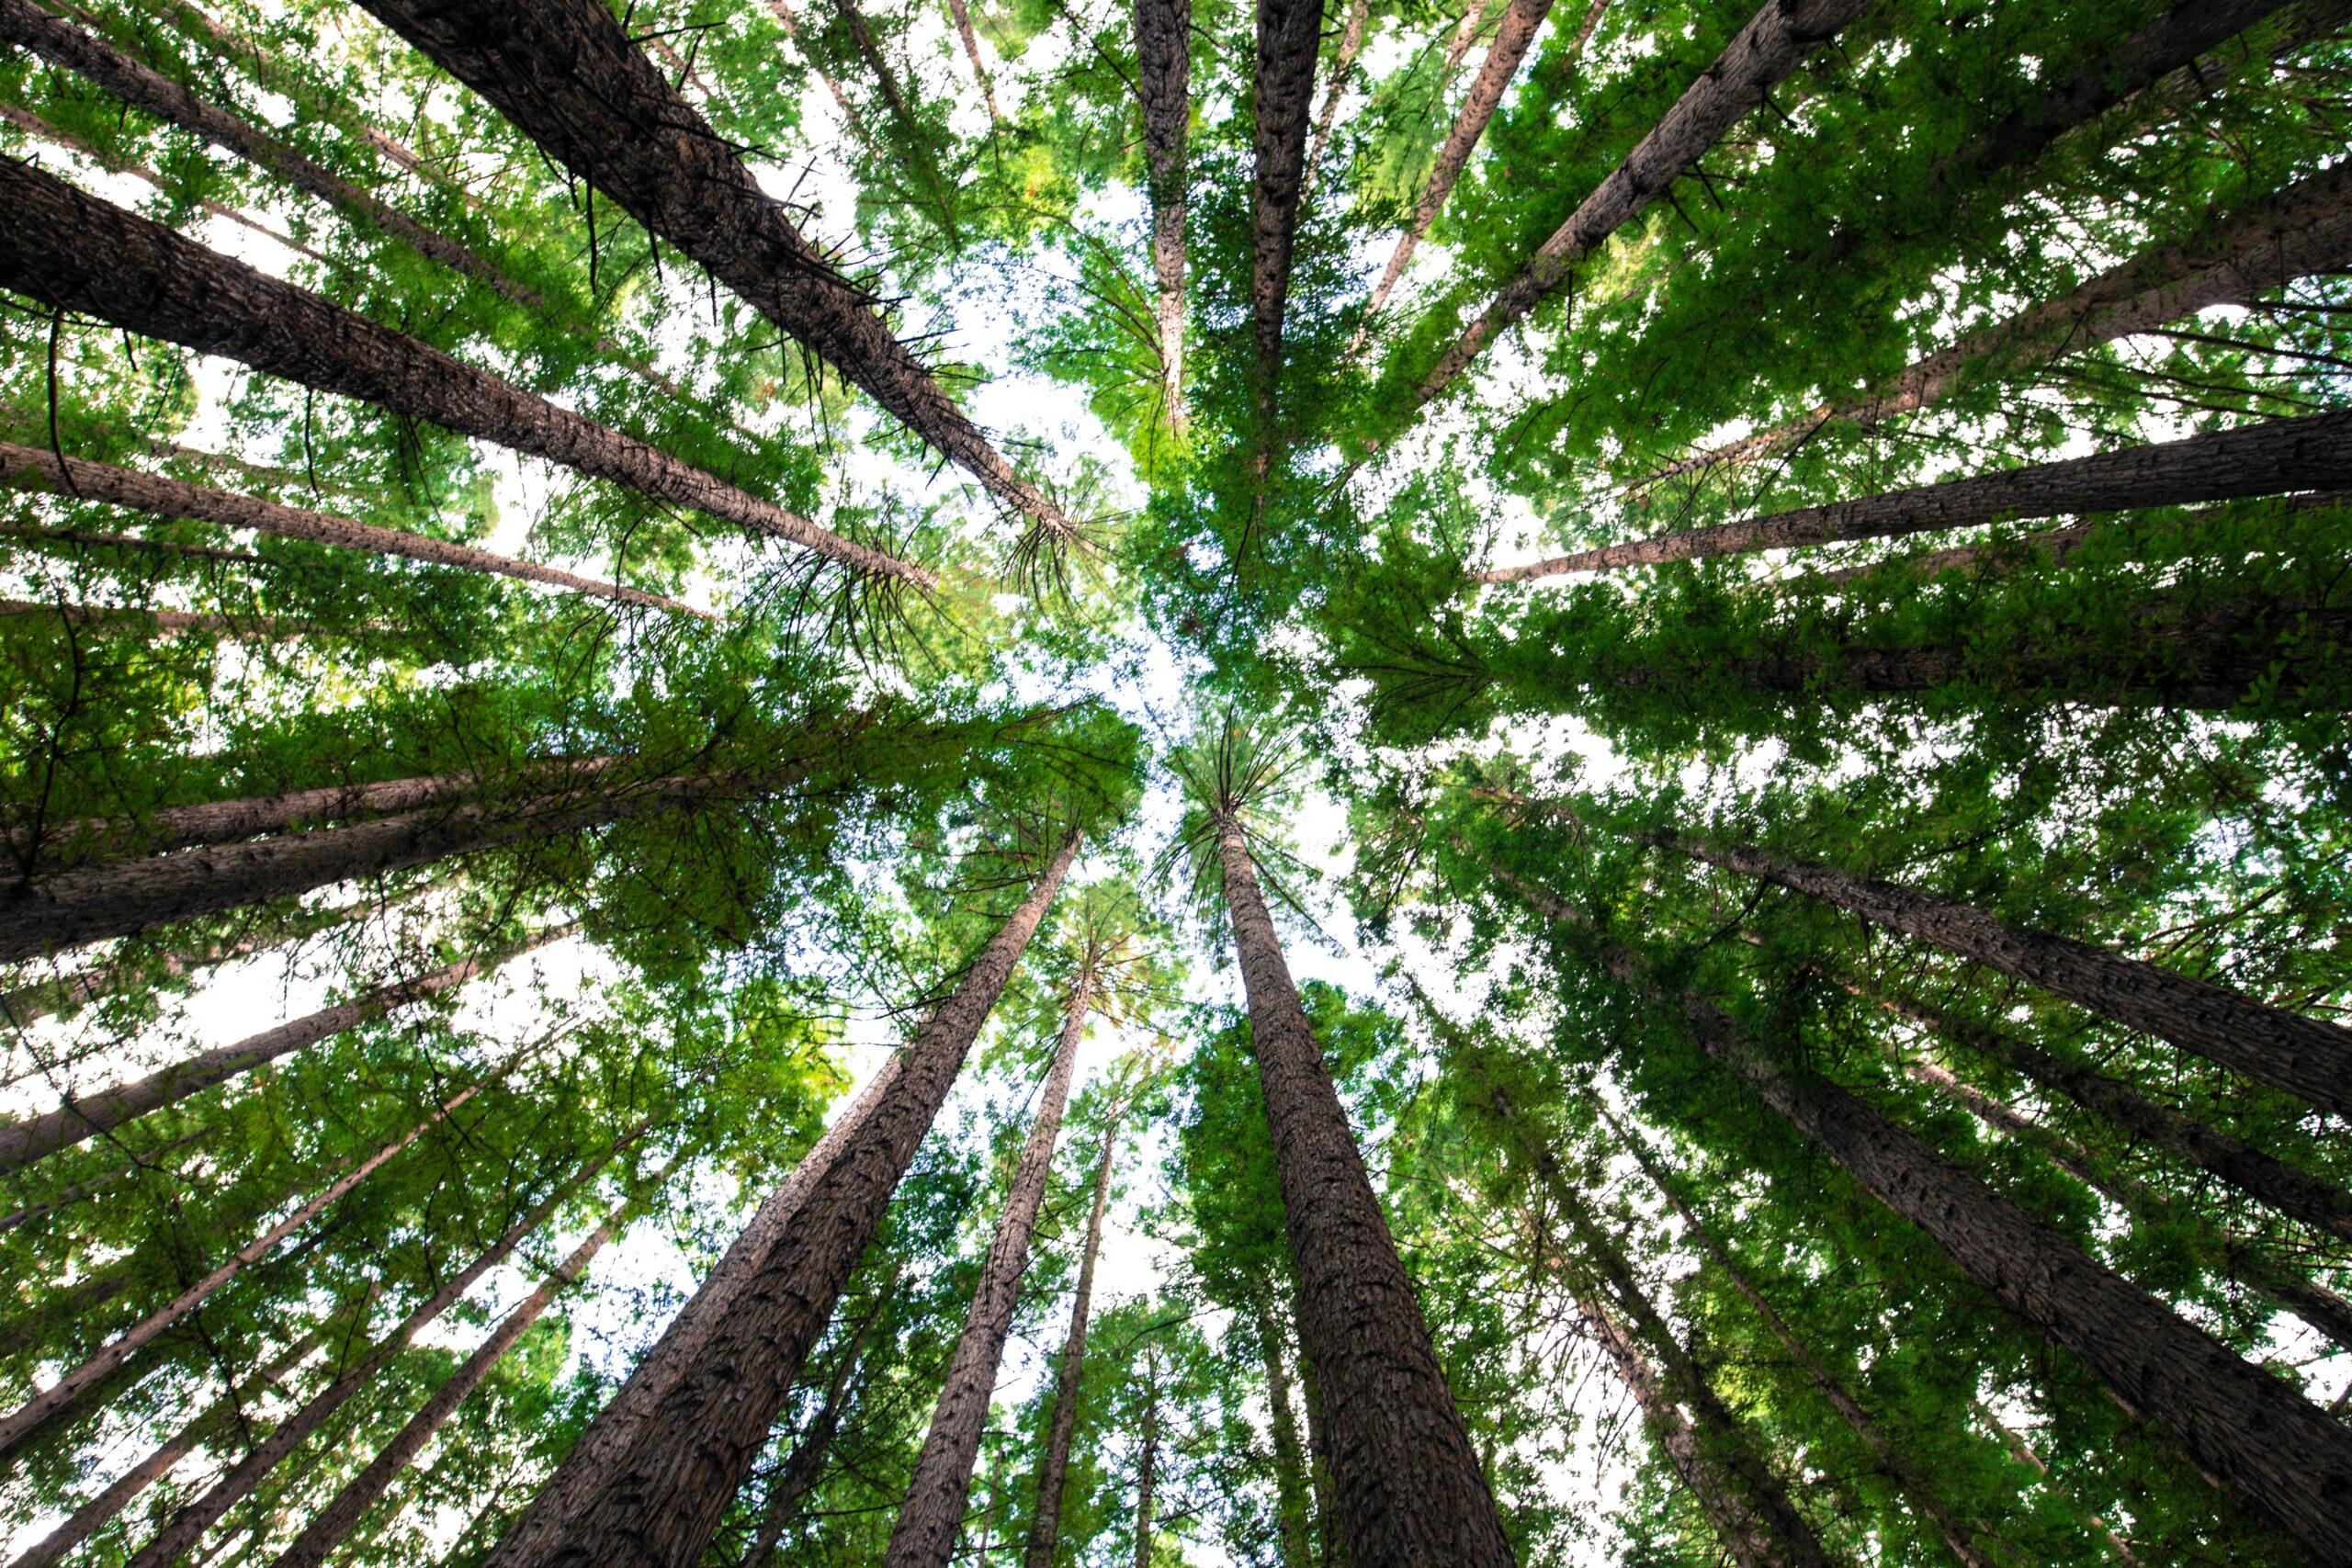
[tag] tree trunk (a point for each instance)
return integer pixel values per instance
(1291, 1500)
(565, 74)
(187, 1527)
(79, 1119)
(24, 466)
(963, 14)
(1163, 86)
(914, 146)
(806, 1465)
(932, 1514)
(73, 251)
(1409, 1487)
(2272, 457)
(2288, 1051)
(1147, 1462)
(659, 1503)
(1351, 44)
(1918, 1491)
(325, 1533)
(2303, 230)
(1290, 33)
(66, 1392)
(1775, 42)
(1319, 1467)
(1052, 1473)
(2021, 1450)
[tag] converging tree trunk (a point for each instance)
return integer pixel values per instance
(1343, 67)
(1163, 87)
(2022, 1451)
(81, 987)
(914, 146)
(801, 1472)
(932, 1514)
(1148, 1461)
(1409, 1487)
(659, 1503)
(1053, 1471)
(1290, 33)
(73, 251)
(567, 74)
(1292, 1492)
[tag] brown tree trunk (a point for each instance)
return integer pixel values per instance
(933, 1513)
(1290, 34)
(1409, 1487)
(74, 251)
(658, 1504)
(806, 1465)
(326, 1531)
(28, 467)
(1163, 86)
(1052, 1473)
(1343, 67)
(1775, 42)
(1147, 1462)
(1917, 1489)
(963, 14)
(80, 1119)
(2272, 457)
(1291, 1499)
(1329, 1542)
(2289, 1052)
(565, 74)
(2301, 231)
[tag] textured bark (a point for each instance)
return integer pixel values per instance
(565, 74)
(1291, 1498)
(72, 250)
(1775, 42)
(2290, 1052)
(806, 1466)
(326, 1531)
(1053, 1471)
(932, 1514)
(1163, 87)
(1290, 33)
(2302, 231)
(82, 1118)
(67, 1391)
(1147, 1462)
(24, 466)
(658, 1505)
(2271, 457)
(1409, 1487)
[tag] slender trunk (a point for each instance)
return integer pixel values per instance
(1163, 84)
(2022, 1451)
(1351, 33)
(913, 146)
(658, 1504)
(1334, 1548)
(2234, 1420)
(137, 619)
(924, 1536)
(105, 541)
(75, 252)
(66, 1392)
(178, 1537)
(160, 497)
(81, 1119)
(325, 1533)
(1291, 1499)
(1775, 42)
(963, 14)
(1290, 33)
(2289, 1052)
(1409, 1487)
(2272, 457)
(1671, 1430)
(853, 122)
(2303, 230)
(1052, 1473)
(806, 1465)
(82, 1190)
(1917, 1489)
(1147, 1462)
(565, 74)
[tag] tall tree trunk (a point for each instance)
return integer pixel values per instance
(1410, 1486)
(659, 1503)
(1775, 42)
(565, 74)
(1147, 1462)
(21, 467)
(1290, 34)
(1917, 1490)
(1329, 1539)
(2303, 230)
(2272, 457)
(2234, 1420)
(913, 146)
(2022, 1451)
(806, 1466)
(963, 14)
(66, 1392)
(1343, 67)
(326, 1531)
(71, 250)
(1053, 1472)
(932, 1514)
(80, 1119)
(1291, 1500)
(179, 1536)
(852, 121)
(2290, 1052)
(1163, 86)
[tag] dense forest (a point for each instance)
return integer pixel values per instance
(1348, 785)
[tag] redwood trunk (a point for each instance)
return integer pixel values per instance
(1163, 84)
(2273, 458)
(658, 1505)
(71, 250)
(932, 1515)
(1290, 33)
(1409, 1487)
(1291, 1490)
(806, 1466)
(567, 74)
(1775, 42)
(1044, 1524)
(963, 14)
